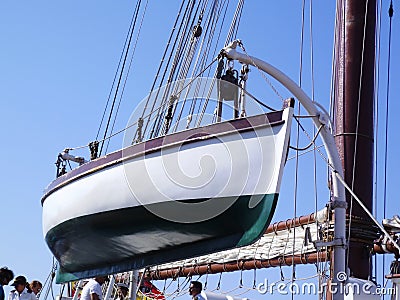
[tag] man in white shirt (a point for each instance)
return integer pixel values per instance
(122, 291)
(195, 290)
(21, 292)
(92, 289)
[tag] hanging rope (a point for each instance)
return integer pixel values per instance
(297, 148)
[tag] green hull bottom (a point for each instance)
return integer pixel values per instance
(132, 238)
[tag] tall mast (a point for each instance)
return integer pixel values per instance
(354, 93)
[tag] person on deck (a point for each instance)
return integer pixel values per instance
(36, 287)
(92, 289)
(22, 290)
(6, 275)
(195, 290)
(122, 291)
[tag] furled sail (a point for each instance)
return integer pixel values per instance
(283, 243)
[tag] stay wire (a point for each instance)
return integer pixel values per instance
(239, 18)
(115, 78)
(376, 120)
(160, 107)
(186, 73)
(136, 12)
(297, 145)
(387, 121)
(179, 65)
(128, 71)
(319, 129)
(233, 27)
(336, 38)
(199, 115)
(168, 63)
(185, 59)
(203, 54)
(174, 55)
(162, 60)
(387, 108)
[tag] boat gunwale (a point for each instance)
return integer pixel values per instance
(192, 135)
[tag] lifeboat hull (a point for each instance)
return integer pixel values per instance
(183, 195)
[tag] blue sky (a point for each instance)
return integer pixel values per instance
(58, 59)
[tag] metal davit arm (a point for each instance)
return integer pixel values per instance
(339, 201)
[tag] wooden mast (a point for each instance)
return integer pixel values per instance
(354, 93)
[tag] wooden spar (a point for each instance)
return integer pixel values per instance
(354, 92)
(290, 223)
(237, 266)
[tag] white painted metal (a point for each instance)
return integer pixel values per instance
(78, 290)
(396, 286)
(133, 286)
(243, 95)
(328, 140)
(78, 159)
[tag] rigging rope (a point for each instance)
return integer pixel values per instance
(175, 69)
(199, 116)
(160, 107)
(193, 36)
(387, 106)
(202, 57)
(262, 73)
(161, 64)
(128, 71)
(319, 129)
(159, 116)
(234, 24)
(376, 123)
(387, 118)
(296, 171)
(126, 49)
(113, 83)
